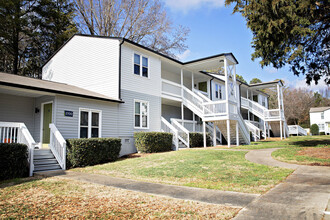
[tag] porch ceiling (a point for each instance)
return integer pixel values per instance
(22, 92)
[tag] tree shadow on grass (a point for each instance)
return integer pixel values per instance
(311, 143)
(18, 181)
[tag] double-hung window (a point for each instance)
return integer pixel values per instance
(141, 111)
(141, 65)
(218, 93)
(89, 123)
(322, 115)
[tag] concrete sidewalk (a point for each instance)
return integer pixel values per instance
(303, 195)
(180, 192)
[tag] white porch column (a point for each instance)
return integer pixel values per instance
(194, 123)
(226, 85)
(247, 93)
(237, 134)
(265, 130)
(281, 129)
(214, 134)
(204, 133)
(249, 115)
(278, 97)
(228, 132)
(182, 114)
(268, 130)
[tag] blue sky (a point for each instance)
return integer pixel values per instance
(214, 29)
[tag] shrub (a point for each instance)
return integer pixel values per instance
(314, 129)
(13, 161)
(152, 142)
(91, 151)
(196, 139)
(322, 133)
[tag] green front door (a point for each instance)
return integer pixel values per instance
(47, 119)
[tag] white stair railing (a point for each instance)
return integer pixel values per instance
(183, 133)
(244, 129)
(256, 132)
(12, 132)
(58, 146)
(167, 127)
(297, 130)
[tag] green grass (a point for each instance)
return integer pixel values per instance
(300, 141)
(291, 155)
(211, 169)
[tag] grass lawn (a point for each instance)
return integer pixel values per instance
(294, 141)
(55, 198)
(318, 155)
(212, 169)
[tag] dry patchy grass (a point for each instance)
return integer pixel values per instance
(203, 168)
(55, 198)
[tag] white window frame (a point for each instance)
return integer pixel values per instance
(322, 115)
(89, 128)
(148, 109)
(141, 65)
(219, 91)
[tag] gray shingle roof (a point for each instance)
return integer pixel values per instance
(319, 109)
(52, 87)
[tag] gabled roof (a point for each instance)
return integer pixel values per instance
(143, 47)
(319, 109)
(23, 82)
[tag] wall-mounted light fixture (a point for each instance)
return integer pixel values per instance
(36, 110)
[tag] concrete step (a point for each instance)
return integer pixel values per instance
(46, 167)
(42, 152)
(45, 161)
(41, 157)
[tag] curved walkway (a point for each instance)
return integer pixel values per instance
(304, 194)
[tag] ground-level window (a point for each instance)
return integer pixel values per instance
(89, 123)
(141, 114)
(321, 127)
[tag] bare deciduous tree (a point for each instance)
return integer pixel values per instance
(141, 21)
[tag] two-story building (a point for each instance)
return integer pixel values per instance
(112, 87)
(321, 117)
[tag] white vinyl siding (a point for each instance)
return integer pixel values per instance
(135, 83)
(91, 63)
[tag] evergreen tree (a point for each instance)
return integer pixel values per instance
(30, 31)
(240, 78)
(290, 32)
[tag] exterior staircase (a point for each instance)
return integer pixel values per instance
(44, 160)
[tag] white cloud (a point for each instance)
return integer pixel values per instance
(302, 84)
(271, 70)
(183, 56)
(187, 5)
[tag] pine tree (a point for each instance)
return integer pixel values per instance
(290, 32)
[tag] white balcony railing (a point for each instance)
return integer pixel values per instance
(12, 132)
(57, 145)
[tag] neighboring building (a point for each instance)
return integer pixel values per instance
(111, 87)
(321, 117)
